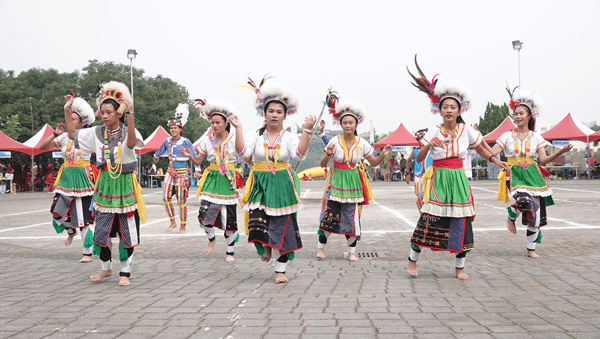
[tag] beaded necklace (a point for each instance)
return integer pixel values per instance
(221, 158)
(346, 153)
(72, 154)
(522, 155)
(277, 148)
(449, 139)
(118, 167)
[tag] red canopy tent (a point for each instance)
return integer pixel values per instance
(154, 141)
(34, 142)
(595, 136)
(8, 144)
(570, 128)
(506, 126)
(400, 137)
(208, 131)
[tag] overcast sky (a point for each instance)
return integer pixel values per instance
(361, 48)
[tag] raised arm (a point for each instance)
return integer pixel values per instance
(239, 133)
(131, 137)
(68, 119)
(545, 158)
(47, 143)
(309, 122)
(328, 154)
(376, 161)
(197, 160)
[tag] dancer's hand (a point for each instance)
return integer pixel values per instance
(309, 121)
(60, 128)
(321, 126)
(68, 101)
(386, 150)
(235, 121)
(197, 175)
(186, 151)
(565, 149)
(330, 148)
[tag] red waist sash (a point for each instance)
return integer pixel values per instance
(453, 163)
(342, 165)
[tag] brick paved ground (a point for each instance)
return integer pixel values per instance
(178, 292)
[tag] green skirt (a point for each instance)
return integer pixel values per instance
(346, 186)
(75, 182)
(217, 189)
(450, 194)
(114, 195)
(277, 194)
(529, 180)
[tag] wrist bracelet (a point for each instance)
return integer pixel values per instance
(306, 130)
(490, 159)
(128, 112)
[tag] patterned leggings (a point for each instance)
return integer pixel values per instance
(181, 192)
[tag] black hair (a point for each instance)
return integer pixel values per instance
(116, 106)
(459, 119)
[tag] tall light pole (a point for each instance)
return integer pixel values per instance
(517, 46)
(131, 53)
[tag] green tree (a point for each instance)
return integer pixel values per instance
(12, 128)
(492, 118)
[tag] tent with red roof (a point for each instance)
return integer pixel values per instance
(506, 126)
(400, 137)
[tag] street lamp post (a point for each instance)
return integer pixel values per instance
(131, 53)
(517, 44)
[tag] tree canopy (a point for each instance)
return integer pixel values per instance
(36, 96)
(492, 118)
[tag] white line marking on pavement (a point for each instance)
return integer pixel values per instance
(38, 211)
(568, 189)
(576, 202)
(305, 193)
(18, 228)
(171, 235)
(396, 213)
(575, 225)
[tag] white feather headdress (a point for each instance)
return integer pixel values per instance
(273, 91)
(84, 110)
(528, 98)
(115, 90)
(340, 107)
(215, 106)
(182, 112)
(450, 88)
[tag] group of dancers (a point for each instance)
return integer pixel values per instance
(111, 196)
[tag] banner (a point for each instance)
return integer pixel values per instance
(57, 155)
(5, 154)
(560, 143)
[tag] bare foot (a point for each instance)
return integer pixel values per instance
(412, 268)
(124, 281)
(510, 224)
(532, 254)
(320, 253)
(267, 256)
(280, 278)
(229, 258)
(210, 246)
(352, 257)
(181, 229)
(86, 258)
(172, 226)
(101, 275)
(461, 275)
(69, 239)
